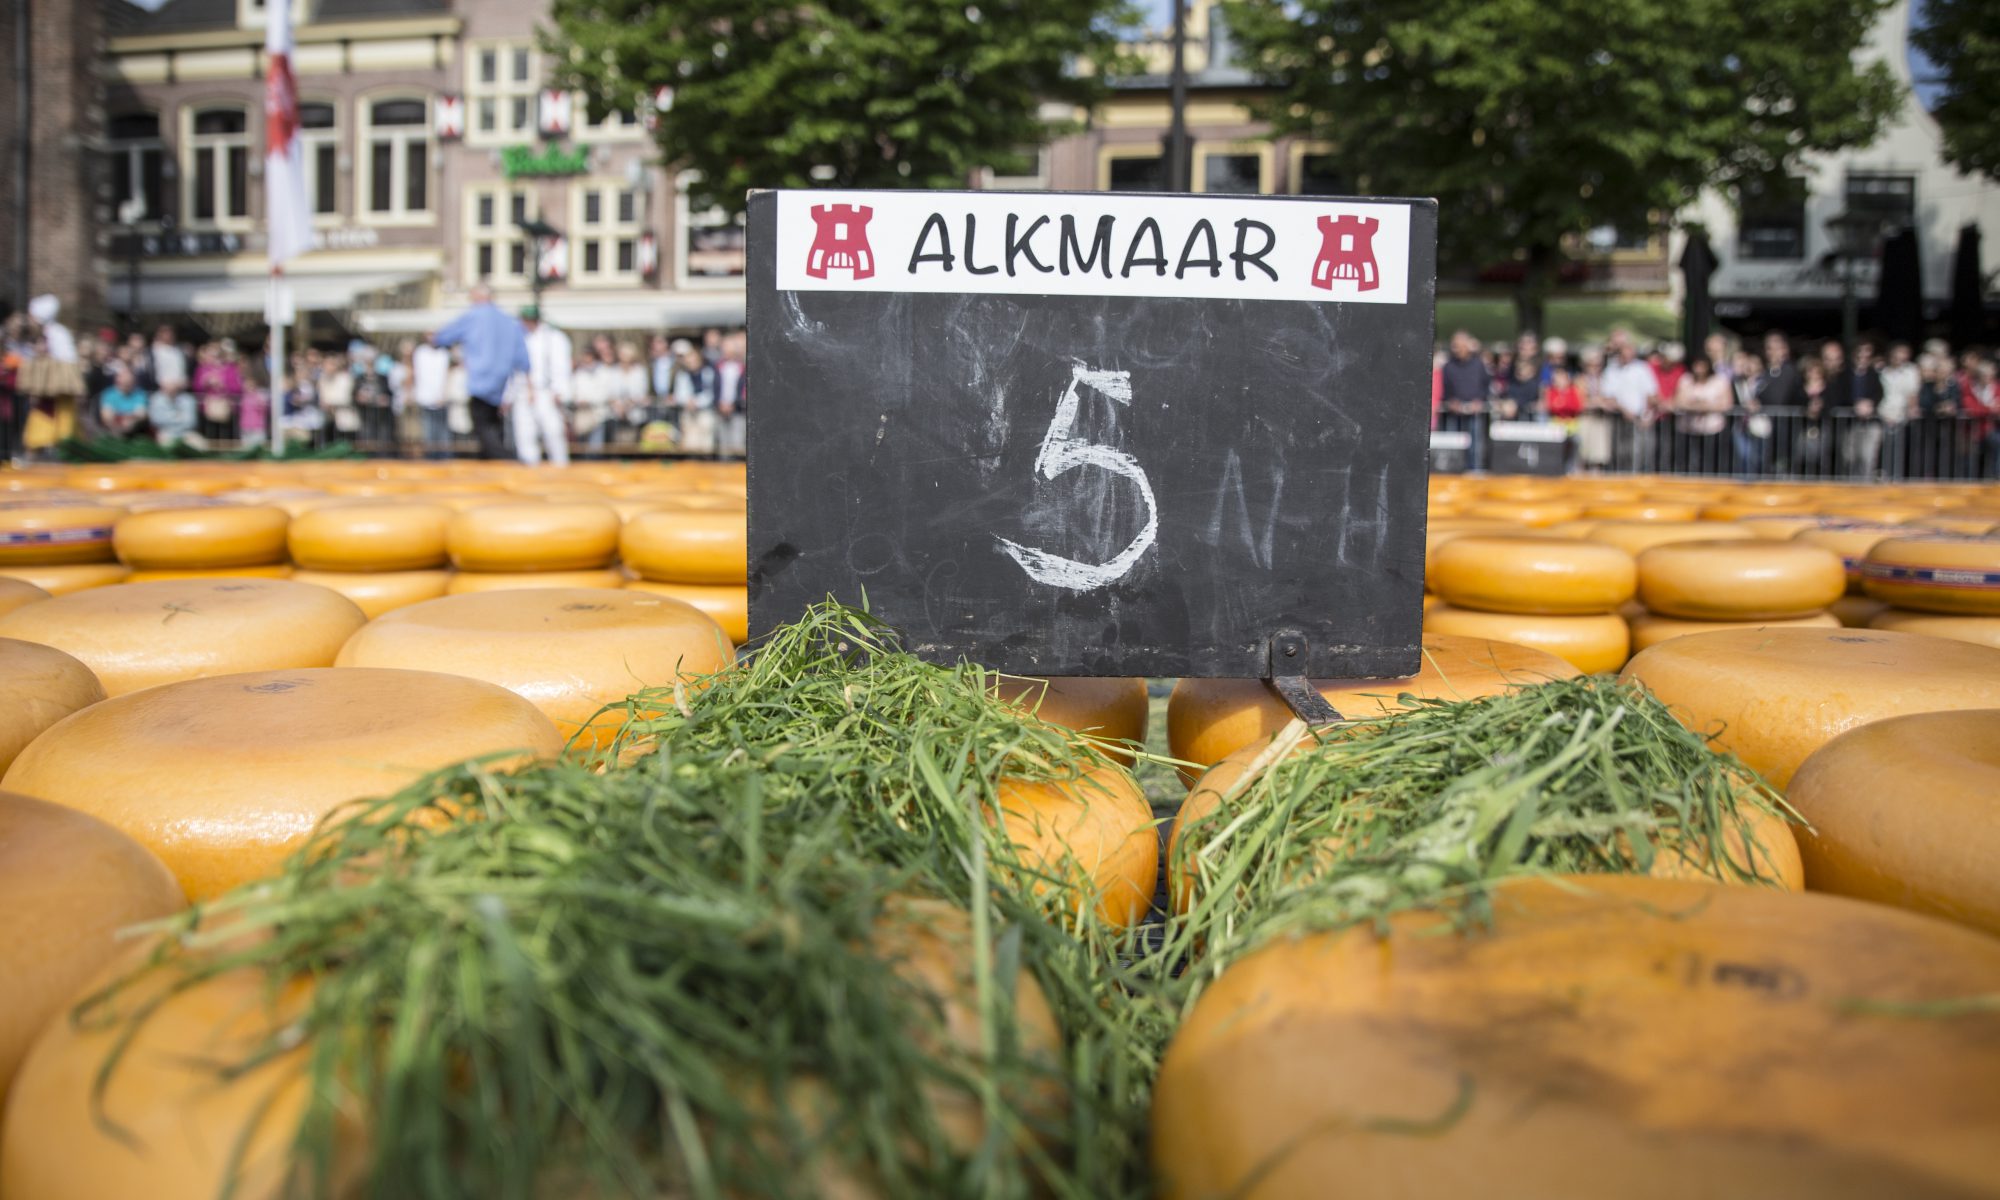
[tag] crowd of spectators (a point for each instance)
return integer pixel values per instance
(1744, 408)
(602, 395)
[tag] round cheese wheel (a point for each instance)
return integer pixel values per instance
(268, 571)
(1868, 513)
(688, 545)
(37, 533)
(1536, 513)
(370, 537)
(1939, 572)
(377, 592)
(1953, 523)
(1591, 643)
(1775, 528)
(39, 685)
(1108, 708)
(62, 579)
(728, 605)
(1531, 575)
(1208, 719)
(1739, 580)
(68, 884)
(1651, 629)
(1729, 511)
(1856, 612)
(1907, 812)
(1443, 529)
(1644, 510)
(16, 592)
(1983, 631)
(1773, 696)
(533, 537)
(570, 651)
(1680, 1039)
(223, 777)
(222, 535)
(463, 582)
(1096, 831)
(1851, 540)
(1637, 537)
(138, 635)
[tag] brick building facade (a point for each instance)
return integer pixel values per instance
(50, 102)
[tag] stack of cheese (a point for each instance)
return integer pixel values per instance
(1556, 594)
(57, 540)
(1745, 582)
(534, 543)
(183, 538)
(1940, 584)
(696, 550)
(381, 555)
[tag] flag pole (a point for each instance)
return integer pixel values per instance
(287, 220)
(276, 310)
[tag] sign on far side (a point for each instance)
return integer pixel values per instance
(1088, 434)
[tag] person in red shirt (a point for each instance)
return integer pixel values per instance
(1563, 398)
(1667, 360)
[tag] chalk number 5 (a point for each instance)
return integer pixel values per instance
(1061, 452)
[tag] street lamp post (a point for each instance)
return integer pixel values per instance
(1853, 235)
(539, 233)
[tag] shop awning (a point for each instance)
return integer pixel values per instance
(644, 311)
(244, 294)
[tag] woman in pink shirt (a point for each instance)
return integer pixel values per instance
(1701, 404)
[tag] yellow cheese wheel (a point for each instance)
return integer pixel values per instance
(1208, 719)
(222, 535)
(1907, 812)
(1953, 523)
(1645, 1038)
(1773, 696)
(463, 582)
(267, 571)
(1776, 528)
(1868, 513)
(1531, 575)
(1590, 643)
(728, 605)
(39, 685)
(1440, 530)
(1096, 831)
(1982, 631)
(1637, 537)
(370, 537)
(1116, 709)
(60, 579)
(16, 592)
(570, 651)
(1851, 540)
(68, 884)
(377, 592)
(688, 545)
(1537, 513)
(1650, 629)
(533, 537)
(1939, 572)
(1856, 612)
(138, 635)
(1739, 580)
(223, 777)
(1643, 510)
(36, 532)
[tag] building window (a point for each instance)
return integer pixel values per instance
(1318, 176)
(1890, 199)
(1772, 226)
(218, 165)
(605, 216)
(396, 159)
(138, 163)
(1136, 173)
(1240, 174)
(319, 145)
(501, 81)
(495, 248)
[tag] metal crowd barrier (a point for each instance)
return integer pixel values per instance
(1792, 443)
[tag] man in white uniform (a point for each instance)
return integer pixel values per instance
(538, 400)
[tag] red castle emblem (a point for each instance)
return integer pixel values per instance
(841, 241)
(1346, 251)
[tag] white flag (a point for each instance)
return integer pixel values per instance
(286, 212)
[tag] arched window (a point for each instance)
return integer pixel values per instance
(217, 164)
(396, 158)
(138, 163)
(319, 138)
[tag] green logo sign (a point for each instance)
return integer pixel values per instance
(518, 162)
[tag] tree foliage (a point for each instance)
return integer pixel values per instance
(1962, 39)
(1536, 120)
(839, 93)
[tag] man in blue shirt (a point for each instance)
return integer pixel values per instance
(495, 351)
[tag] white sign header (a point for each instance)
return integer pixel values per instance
(1094, 244)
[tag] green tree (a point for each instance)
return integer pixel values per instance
(1962, 40)
(1532, 121)
(839, 93)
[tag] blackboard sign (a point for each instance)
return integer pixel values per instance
(1528, 448)
(1087, 434)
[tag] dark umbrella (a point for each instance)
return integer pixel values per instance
(1697, 265)
(1968, 300)
(1899, 295)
